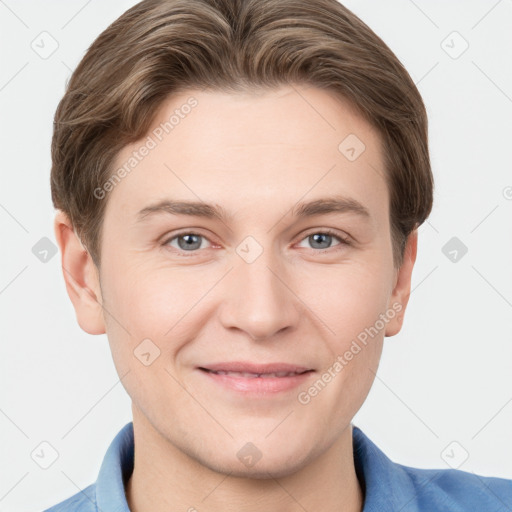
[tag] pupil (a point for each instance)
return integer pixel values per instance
(191, 241)
(321, 236)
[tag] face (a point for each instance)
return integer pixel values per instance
(285, 257)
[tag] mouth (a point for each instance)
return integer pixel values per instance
(255, 368)
(257, 379)
(249, 375)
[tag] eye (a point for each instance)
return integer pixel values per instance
(188, 242)
(323, 239)
(191, 242)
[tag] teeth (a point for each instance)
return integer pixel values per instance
(255, 375)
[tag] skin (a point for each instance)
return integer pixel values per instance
(256, 155)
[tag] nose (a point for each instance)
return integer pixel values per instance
(259, 298)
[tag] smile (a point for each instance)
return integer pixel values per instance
(257, 384)
(256, 375)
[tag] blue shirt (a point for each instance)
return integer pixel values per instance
(386, 485)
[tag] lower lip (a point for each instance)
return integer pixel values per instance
(259, 385)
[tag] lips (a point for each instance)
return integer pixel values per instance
(258, 381)
(254, 370)
(256, 375)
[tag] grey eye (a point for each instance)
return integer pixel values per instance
(187, 241)
(320, 240)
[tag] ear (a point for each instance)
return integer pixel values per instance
(402, 288)
(81, 277)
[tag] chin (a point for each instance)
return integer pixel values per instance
(258, 472)
(280, 464)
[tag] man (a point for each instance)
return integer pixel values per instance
(239, 186)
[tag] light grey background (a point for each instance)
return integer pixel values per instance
(447, 376)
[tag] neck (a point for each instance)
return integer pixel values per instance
(165, 478)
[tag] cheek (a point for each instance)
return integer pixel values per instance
(348, 303)
(160, 304)
(146, 297)
(353, 383)
(346, 299)
(151, 318)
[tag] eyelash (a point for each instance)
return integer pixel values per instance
(343, 241)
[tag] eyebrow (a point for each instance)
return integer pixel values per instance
(323, 206)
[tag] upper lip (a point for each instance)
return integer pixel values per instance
(248, 367)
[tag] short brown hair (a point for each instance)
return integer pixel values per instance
(160, 47)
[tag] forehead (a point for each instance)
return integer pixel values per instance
(257, 148)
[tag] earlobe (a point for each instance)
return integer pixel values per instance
(402, 288)
(81, 277)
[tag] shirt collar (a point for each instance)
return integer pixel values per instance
(115, 471)
(385, 484)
